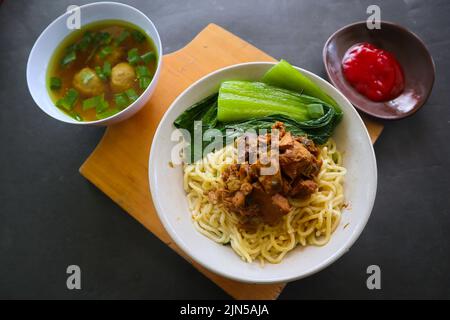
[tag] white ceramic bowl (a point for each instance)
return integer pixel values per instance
(57, 31)
(166, 185)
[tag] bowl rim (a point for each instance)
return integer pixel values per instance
(158, 46)
(207, 265)
(403, 29)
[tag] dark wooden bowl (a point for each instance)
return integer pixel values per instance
(410, 51)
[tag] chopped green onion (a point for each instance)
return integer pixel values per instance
(72, 96)
(72, 47)
(107, 69)
(100, 73)
(102, 105)
(124, 99)
(92, 54)
(122, 37)
(144, 82)
(121, 100)
(105, 72)
(106, 51)
(62, 103)
(144, 76)
(107, 113)
(91, 102)
(68, 58)
(83, 45)
(315, 110)
(97, 38)
(149, 56)
(55, 83)
(142, 72)
(69, 100)
(138, 36)
(133, 56)
(132, 95)
(97, 102)
(75, 115)
(106, 38)
(102, 38)
(85, 41)
(88, 36)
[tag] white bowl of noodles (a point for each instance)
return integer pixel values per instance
(172, 205)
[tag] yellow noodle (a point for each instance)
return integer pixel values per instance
(310, 222)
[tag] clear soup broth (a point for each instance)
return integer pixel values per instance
(101, 69)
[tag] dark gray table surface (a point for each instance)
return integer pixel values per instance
(51, 217)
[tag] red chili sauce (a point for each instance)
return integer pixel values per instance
(373, 72)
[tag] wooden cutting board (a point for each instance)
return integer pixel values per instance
(119, 164)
